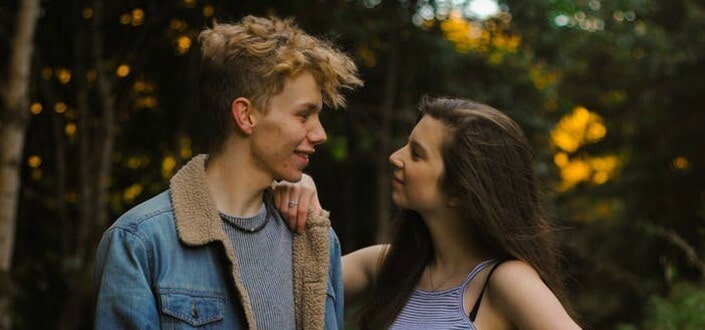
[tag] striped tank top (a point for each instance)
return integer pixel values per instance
(437, 309)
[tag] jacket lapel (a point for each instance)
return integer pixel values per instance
(311, 253)
(198, 221)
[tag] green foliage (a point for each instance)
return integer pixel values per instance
(682, 309)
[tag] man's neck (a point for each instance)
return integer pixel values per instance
(235, 185)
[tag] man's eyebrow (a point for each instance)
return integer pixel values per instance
(309, 105)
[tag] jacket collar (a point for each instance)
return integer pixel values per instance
(197, 218)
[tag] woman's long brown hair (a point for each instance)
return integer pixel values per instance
(488, 167)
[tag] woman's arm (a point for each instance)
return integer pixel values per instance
(360, 268)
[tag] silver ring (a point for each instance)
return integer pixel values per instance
(292, 203)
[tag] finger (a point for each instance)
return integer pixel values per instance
(277, 198)
(294, 197)
(302, 216)
(316, 204)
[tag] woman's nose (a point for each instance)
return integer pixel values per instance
(395, 160)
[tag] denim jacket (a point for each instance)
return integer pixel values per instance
(167, 263)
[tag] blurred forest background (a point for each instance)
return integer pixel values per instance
(99, 109)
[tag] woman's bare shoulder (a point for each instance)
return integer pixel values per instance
(523, 298)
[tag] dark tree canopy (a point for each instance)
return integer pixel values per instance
(609, 93)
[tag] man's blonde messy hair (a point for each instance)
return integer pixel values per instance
(254, 58)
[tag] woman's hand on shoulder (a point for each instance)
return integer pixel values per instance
(293, 200)
(517, 291)
(360, 268)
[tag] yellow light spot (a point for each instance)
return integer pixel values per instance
(36, 108)
(577, 129)
(47, 73)
(178, 25)
(143, 86)
(561, 159)
(576, 171)
(146, 102)
(139, 86)
(133, 163)
(595, 131)
(600, 177)
(131, 192)
(123, 70)
(680, 163)
(125, 19)
(87, 13)
(565, 140)
(137, 17)
(168, 164)
(34, 161)
(91, 75)
(208, 11)
(183, 44)
(60, 107)
(604, 164)
(70, 129)
(186, 151)
(464, 36)
(597, 170)
(63, 76)
(190, 3)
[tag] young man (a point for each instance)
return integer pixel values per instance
(212, 250)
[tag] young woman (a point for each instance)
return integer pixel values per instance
(473, 246)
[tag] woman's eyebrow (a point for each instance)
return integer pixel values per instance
(416, 145)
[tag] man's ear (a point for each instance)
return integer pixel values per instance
(242, 111)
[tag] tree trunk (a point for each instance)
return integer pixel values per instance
(95, 151)
(106, 133)
(75, 267)
(384, 206)
(13, 127)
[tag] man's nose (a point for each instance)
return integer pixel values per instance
(318, 134)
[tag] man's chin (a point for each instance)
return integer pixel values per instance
(293, 178)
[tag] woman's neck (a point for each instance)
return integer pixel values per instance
(454, 249)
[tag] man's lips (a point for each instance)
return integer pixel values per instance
(304, 154)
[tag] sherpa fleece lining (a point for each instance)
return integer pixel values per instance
(198, 223)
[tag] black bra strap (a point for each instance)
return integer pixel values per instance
(475, 308)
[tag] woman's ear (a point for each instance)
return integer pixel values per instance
(454, 202)
(242, 111)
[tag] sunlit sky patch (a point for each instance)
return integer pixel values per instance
(482, 9)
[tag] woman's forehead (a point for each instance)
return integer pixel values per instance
(429, 133)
